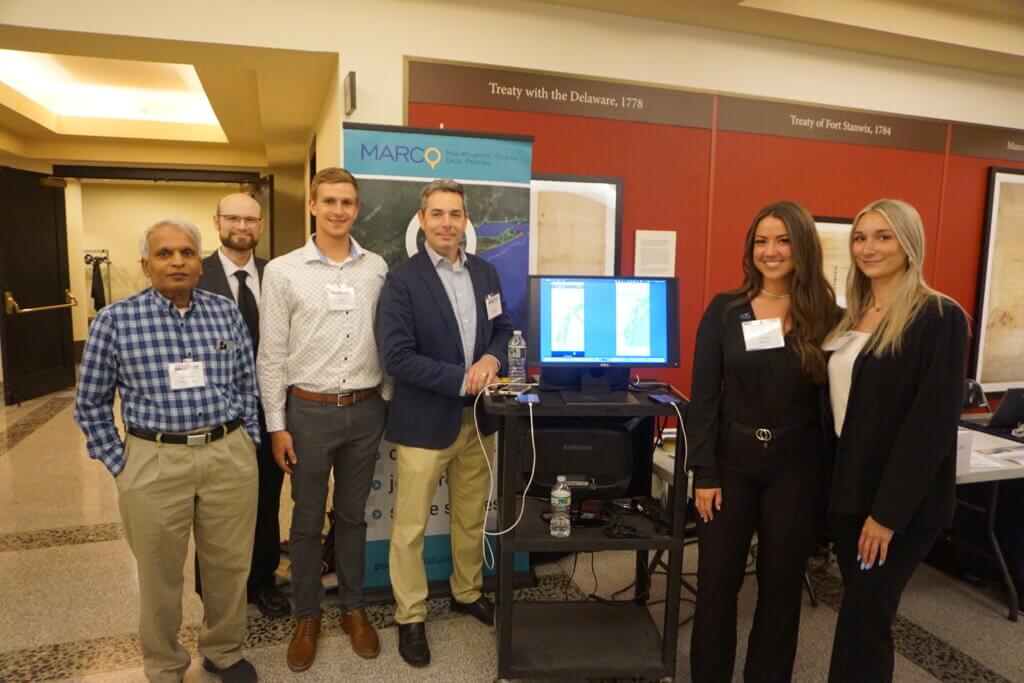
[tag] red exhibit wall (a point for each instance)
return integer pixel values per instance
(667, 170)
(665, 184)
(829, 178)
(962, 228)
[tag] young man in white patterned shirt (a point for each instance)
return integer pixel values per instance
(320, 374)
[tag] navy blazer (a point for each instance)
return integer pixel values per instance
(215, 280)
(422, 350)
(896, 457)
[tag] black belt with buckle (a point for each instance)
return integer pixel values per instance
(200, 439)
(768, 434)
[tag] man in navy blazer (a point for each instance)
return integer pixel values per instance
(234, 271)
(443, 333)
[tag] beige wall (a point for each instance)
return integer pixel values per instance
(113, 214)
(289, 208)
(328, 128)
(372, 38)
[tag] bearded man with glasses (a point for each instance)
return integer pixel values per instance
(234, 271)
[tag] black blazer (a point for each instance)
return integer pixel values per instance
(422, 350)
(215, 280)
(896, 457)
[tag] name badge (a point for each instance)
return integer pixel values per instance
(493, 302)
(186, 375)
(760, 335)
(340, 297)
(838, 343)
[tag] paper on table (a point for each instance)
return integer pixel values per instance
(1003, 451)
(984, 462)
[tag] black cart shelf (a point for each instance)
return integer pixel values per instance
(584, 639)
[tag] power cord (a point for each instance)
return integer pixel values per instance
(682, 427)
(487, 550)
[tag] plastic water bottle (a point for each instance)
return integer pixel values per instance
(517, 357)
(561, 499)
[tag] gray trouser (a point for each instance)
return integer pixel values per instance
(345, 439)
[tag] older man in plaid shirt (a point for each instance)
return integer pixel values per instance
(182, 360)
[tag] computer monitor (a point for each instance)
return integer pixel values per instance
(586, 333)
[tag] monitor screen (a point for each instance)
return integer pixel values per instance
(582, 322)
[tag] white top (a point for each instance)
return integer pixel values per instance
(305, 344)
(252, 282)
(840, 375)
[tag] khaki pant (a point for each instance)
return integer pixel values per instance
(418, 471)
(163, 491)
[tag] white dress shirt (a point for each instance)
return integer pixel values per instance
(840, 376)
(303, 342)
(252, 282)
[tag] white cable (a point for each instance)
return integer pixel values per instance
(488, 552)
(682, 427)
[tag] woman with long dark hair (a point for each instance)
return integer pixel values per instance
(896, 389)
(757, 445)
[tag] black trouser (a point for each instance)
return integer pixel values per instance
(862, 651)
(266, 547)
(779, 491)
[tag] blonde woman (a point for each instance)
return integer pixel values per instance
(895, 387)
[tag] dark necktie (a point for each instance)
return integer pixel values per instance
(247, 305)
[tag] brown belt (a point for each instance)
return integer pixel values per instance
(340, 400)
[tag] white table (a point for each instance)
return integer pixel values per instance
(982, 441)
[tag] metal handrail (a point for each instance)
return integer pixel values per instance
(11, 306)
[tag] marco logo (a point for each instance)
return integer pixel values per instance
(413, 155)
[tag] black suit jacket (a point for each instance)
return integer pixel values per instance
(422, 350)
(896, 457)
(215, 280)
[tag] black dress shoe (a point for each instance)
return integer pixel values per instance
(412, 644)
(239, 672)
(482, 609)
(270, 602)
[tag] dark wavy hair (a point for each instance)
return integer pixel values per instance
(812, 300)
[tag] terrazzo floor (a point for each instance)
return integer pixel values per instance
(68, 598)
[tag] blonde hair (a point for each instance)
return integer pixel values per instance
(912, 292)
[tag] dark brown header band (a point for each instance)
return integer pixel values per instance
(987, 142)
(830, 125)
(473, 86)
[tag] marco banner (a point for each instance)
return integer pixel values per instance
(392, 165)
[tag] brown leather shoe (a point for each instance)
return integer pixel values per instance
(362, 633)
(302, 649)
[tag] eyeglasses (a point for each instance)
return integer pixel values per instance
(250, 221)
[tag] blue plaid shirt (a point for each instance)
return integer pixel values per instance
(130, 345)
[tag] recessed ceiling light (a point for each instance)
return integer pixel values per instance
(72, 87)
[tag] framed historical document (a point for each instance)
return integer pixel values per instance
(834, 234)
(575, 225)
(999, 316)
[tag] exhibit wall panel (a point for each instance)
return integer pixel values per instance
(665, 183)
(962, 227)
(829, 178)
